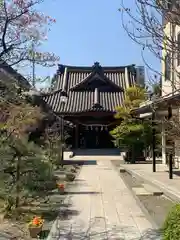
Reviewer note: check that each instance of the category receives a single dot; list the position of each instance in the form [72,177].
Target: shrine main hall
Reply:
[93,94]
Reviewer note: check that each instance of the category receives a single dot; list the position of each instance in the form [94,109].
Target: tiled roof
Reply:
[9,77]
[8,73]
[90,88]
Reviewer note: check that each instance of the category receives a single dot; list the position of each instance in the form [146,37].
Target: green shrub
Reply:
[171,227]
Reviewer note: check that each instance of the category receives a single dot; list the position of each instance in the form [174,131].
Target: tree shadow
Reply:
[80,162]
[79,180]
[82,193]
[99,230]
[67,214]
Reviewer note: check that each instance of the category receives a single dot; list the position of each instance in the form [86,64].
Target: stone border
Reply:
[166,191]
[144,210]
[53,227]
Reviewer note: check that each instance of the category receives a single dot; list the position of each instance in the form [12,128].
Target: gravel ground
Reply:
[48,210]
[157,206]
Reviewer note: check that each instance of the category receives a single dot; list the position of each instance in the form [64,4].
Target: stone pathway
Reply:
[101,207]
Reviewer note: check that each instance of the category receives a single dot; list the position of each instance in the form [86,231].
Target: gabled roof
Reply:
[97,75]
[93,88]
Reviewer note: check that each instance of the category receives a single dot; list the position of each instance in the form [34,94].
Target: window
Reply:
[169,4]
[167,67]
[178,49]
[177,4]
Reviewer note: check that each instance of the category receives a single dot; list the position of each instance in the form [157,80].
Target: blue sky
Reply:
[89,31]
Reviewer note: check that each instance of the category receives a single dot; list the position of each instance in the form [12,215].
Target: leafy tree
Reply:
[133,133]
[25,170]
[170,229]
[53,145]
[22,30]
[20,160]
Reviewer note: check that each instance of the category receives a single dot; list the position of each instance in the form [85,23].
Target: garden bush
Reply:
[171,227]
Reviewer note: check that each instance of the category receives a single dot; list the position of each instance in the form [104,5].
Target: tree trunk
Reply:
[17,181]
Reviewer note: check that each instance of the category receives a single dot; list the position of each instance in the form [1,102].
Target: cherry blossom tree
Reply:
[21,28]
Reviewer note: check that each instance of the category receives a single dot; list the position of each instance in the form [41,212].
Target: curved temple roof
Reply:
[93,88]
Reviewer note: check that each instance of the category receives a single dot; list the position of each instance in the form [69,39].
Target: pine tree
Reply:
[133,133]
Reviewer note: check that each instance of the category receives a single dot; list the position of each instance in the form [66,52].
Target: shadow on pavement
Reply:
[98,230]
[79,193]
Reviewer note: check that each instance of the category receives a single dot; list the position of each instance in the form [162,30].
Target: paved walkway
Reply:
[160,178]
[101,207]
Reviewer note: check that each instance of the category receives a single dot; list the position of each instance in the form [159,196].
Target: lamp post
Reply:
[63,100]
[171,154]
[153,98]
[153,141]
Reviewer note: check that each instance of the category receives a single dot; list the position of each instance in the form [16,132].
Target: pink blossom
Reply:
[25,24]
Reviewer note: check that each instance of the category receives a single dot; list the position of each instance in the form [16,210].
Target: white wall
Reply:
[167,85]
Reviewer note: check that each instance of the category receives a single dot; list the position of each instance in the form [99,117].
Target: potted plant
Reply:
[35,226]
[61,187]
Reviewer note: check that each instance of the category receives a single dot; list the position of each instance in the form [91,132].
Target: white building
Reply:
[170,75]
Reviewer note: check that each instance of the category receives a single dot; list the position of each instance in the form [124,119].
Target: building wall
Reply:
[170,85]
[166,84]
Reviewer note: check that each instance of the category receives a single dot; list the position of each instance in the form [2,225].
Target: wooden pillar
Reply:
[77,136]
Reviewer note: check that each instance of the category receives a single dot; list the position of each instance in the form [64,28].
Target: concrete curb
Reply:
[144,210]
[167,191]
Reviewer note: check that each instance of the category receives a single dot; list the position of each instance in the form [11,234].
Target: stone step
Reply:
[141,191]
[155,191]
[122,170]
[97,152]
[94,157]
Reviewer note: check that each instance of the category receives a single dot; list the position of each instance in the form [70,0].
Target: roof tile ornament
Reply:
[60,69]
[97,68]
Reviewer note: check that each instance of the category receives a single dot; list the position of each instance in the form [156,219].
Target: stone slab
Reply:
[152,189]
[102,208]
[122,170]
[159,179]
[141,191]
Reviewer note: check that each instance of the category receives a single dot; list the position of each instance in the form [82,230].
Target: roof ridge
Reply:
[75,67]
[51,93]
